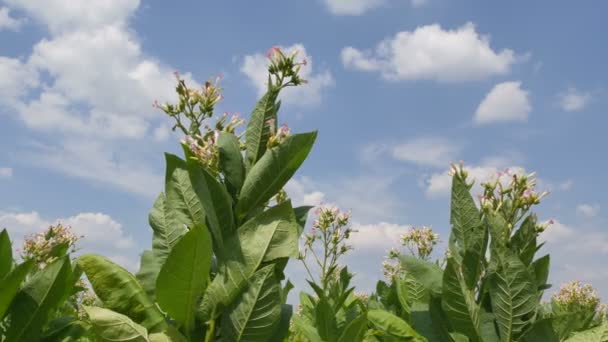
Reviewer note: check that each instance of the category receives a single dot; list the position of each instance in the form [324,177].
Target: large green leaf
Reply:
[542,330]
[268,236]
[119,291]
[10,284]
[231,160]
[325,320]
[183,278]
[513,293]
[216,202]
[541,271]
[149,267]
[355,330]
[167,231]
[169,335]
[112,326]
[254,316]
[282,330]
[6,254]
[523,241]
[597,334]
[426,273]
[258,130]
[391,324]
[272,171]
[37,299]
[183,206]
[458,302]
[304,328]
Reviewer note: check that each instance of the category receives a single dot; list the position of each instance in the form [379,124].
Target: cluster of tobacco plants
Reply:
[224,231]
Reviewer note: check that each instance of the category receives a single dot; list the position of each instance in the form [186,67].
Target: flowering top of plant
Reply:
[420,242]
[284,69]
[45,247]
[277,136]
[574,296]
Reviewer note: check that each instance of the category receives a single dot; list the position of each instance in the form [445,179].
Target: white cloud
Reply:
[574,100]
[102,234]
[303,191]
[352,7]
[505,102]
[432,53]
[427,152]
[587,210]
[381,236]
[419,3]
[6,172]
[17,78]
[556,232]
[566,185]
[7,22]
[255,67]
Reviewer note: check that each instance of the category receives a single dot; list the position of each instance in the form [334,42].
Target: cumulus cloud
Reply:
[380,236]
[574,100]
[434,152]
[255,67]
[7,22]
[6,172]
[17,78]
[507,101]
[587,210]
[432,53]
[101,233]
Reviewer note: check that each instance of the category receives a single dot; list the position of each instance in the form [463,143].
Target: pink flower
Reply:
[304,61]
[273,51]
[176,73]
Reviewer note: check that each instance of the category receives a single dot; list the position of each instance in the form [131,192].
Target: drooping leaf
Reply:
[258,130]
[6,254]
[355,330]
[215,200]
[11,283]
[112,326]
[41,294]
[272,171]
[513,293]
[182,206]
[257,312]
[119,291]
[183,278]
[391,324]
[597,334]
[458,302]
[231,160]
[426,273]
[169,335]
[268,236]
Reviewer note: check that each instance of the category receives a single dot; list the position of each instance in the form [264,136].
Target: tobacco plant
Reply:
[223,230]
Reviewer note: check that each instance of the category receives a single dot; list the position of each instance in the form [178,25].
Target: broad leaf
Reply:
[597,334]
[258,130]
[183,278]
[182,206]
[304,328]
[426,273]
[541,271]
[282,330]
[166,231]
[231,160]
[169,335]
[325,320]
[272,172]
[111,326]
[541,330]
[37,299]
[513,293]
[391,324]
[257,312]
[355,330]
[268,236]
[149,267]
[11,283]
[6,254]
[119,291]
[458,302]
[523,241]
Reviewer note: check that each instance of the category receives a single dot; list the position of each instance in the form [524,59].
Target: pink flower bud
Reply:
[273,51]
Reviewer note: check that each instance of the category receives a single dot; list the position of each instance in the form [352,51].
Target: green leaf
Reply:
[271,235]
[403,296]
[183,278]
[256,313]
[513,293]
[111,326]
[119,291]
[166,230]
[37,299]
[302,327]
[66,329]
[258,131]
[426,273]
[231,160]
[272,172]
[11,283]
[325,319]
[458,302]
[148,272]
[215,200]
[169,335]
[597,334]
[6,254]
[282,330]
[302,215]
[523,241]
[355,330]
[183,206]
[541,271]
[542,330]
[432,328]
[391,324]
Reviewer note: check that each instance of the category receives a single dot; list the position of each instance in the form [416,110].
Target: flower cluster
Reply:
[47,246]
[331,229]
[205,150]
[420,241]
[277,136]
[391,267]
[574,296]
[284,69]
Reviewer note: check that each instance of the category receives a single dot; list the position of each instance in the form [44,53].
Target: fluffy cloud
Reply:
[587,210]
[574,100]
[427,152]
[6,172]
[432,53]
[17,78]
[7,22]
[359,7]
[380,237]
[102,234]
[255,67]
[505,102]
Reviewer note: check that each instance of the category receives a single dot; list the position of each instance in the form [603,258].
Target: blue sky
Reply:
[398,89]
